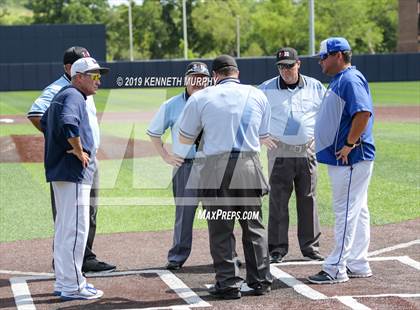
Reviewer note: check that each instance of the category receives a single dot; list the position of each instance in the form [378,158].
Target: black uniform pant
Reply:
[290,170]
[241,182]
[93,209]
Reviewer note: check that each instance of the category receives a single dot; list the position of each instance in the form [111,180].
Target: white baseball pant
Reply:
[71,233]
[352,228]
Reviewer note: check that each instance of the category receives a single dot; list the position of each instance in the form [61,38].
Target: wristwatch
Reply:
[349,144]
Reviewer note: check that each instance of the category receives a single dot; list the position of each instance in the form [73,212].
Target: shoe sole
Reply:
[68,298]
[226,297]
[355,276]
[329,281]
[102,271]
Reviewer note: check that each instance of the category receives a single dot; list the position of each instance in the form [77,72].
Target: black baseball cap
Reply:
[287,55]
[223,61]
[197,67]
[74,53]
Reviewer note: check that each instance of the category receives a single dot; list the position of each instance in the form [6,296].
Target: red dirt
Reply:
[134,251]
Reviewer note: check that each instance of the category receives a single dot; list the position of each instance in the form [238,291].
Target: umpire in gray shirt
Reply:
[233,118]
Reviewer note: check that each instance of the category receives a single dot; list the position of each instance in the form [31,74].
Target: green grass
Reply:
[130,185]
[395,93]
[389,93]
[136,193]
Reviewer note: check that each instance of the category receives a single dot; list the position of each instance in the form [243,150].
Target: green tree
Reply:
[68,11]
[214,23]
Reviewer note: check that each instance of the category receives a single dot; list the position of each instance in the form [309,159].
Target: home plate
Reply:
[6,120]
[244,287]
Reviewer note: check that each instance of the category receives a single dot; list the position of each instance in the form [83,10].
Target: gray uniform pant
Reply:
[254,240]
[289,169]
[93,209]
[186,201]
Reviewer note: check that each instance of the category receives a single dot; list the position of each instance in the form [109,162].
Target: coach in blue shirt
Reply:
[37,110]
[344,142]
[70,165]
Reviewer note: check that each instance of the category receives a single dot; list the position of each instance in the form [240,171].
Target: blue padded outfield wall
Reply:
[47,43]
[376,68]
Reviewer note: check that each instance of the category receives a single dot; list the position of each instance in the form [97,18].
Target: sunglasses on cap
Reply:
[326,55]
[93,76]
[285,66]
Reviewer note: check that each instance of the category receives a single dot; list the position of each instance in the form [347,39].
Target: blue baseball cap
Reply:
[334,44]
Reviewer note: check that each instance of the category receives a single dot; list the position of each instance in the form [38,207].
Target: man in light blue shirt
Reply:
[234,118]
[295,101]
[37,110]
[182,158]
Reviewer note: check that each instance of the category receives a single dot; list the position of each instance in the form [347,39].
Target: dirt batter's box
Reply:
[145,289]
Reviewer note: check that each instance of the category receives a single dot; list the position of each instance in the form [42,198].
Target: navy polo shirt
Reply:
[67,117]
[348,94]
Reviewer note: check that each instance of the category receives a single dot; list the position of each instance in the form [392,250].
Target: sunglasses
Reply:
[286,66]
[326,55]
[93,76]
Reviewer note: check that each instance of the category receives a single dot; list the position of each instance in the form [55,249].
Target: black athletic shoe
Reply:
[231,293]
[93,265]
[276,258]
[314,256]
[173,266]
[261,289]
[324,278]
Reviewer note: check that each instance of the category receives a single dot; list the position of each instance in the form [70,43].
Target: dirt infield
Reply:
[30,148]
[141,281]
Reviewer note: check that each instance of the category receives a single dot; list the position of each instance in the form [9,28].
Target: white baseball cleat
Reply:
[87,293]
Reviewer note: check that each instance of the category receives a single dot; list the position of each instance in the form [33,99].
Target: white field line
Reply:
[410,262]
[29,273]
[351,302]
[24,301]
[22,294]
[394,247]
[385,295]
[183,291]
[297,285]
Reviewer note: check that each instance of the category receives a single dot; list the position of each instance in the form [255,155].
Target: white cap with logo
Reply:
[85,65]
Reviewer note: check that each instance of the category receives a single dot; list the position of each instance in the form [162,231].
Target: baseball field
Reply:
[136,215]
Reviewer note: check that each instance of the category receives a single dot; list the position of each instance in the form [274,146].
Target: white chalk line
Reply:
[24,301]
[394,247]
[349,301]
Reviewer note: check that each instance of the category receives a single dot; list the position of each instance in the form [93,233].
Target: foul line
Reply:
[24,301]
[349,301]
[395,247]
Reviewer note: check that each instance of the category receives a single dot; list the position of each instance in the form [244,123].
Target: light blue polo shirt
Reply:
[348,93]
[234,117]
[168,116]
[43,102]
[293,111]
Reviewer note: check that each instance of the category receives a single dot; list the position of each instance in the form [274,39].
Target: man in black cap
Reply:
[183,159]
[37,110]
[295,100]
[234,119]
